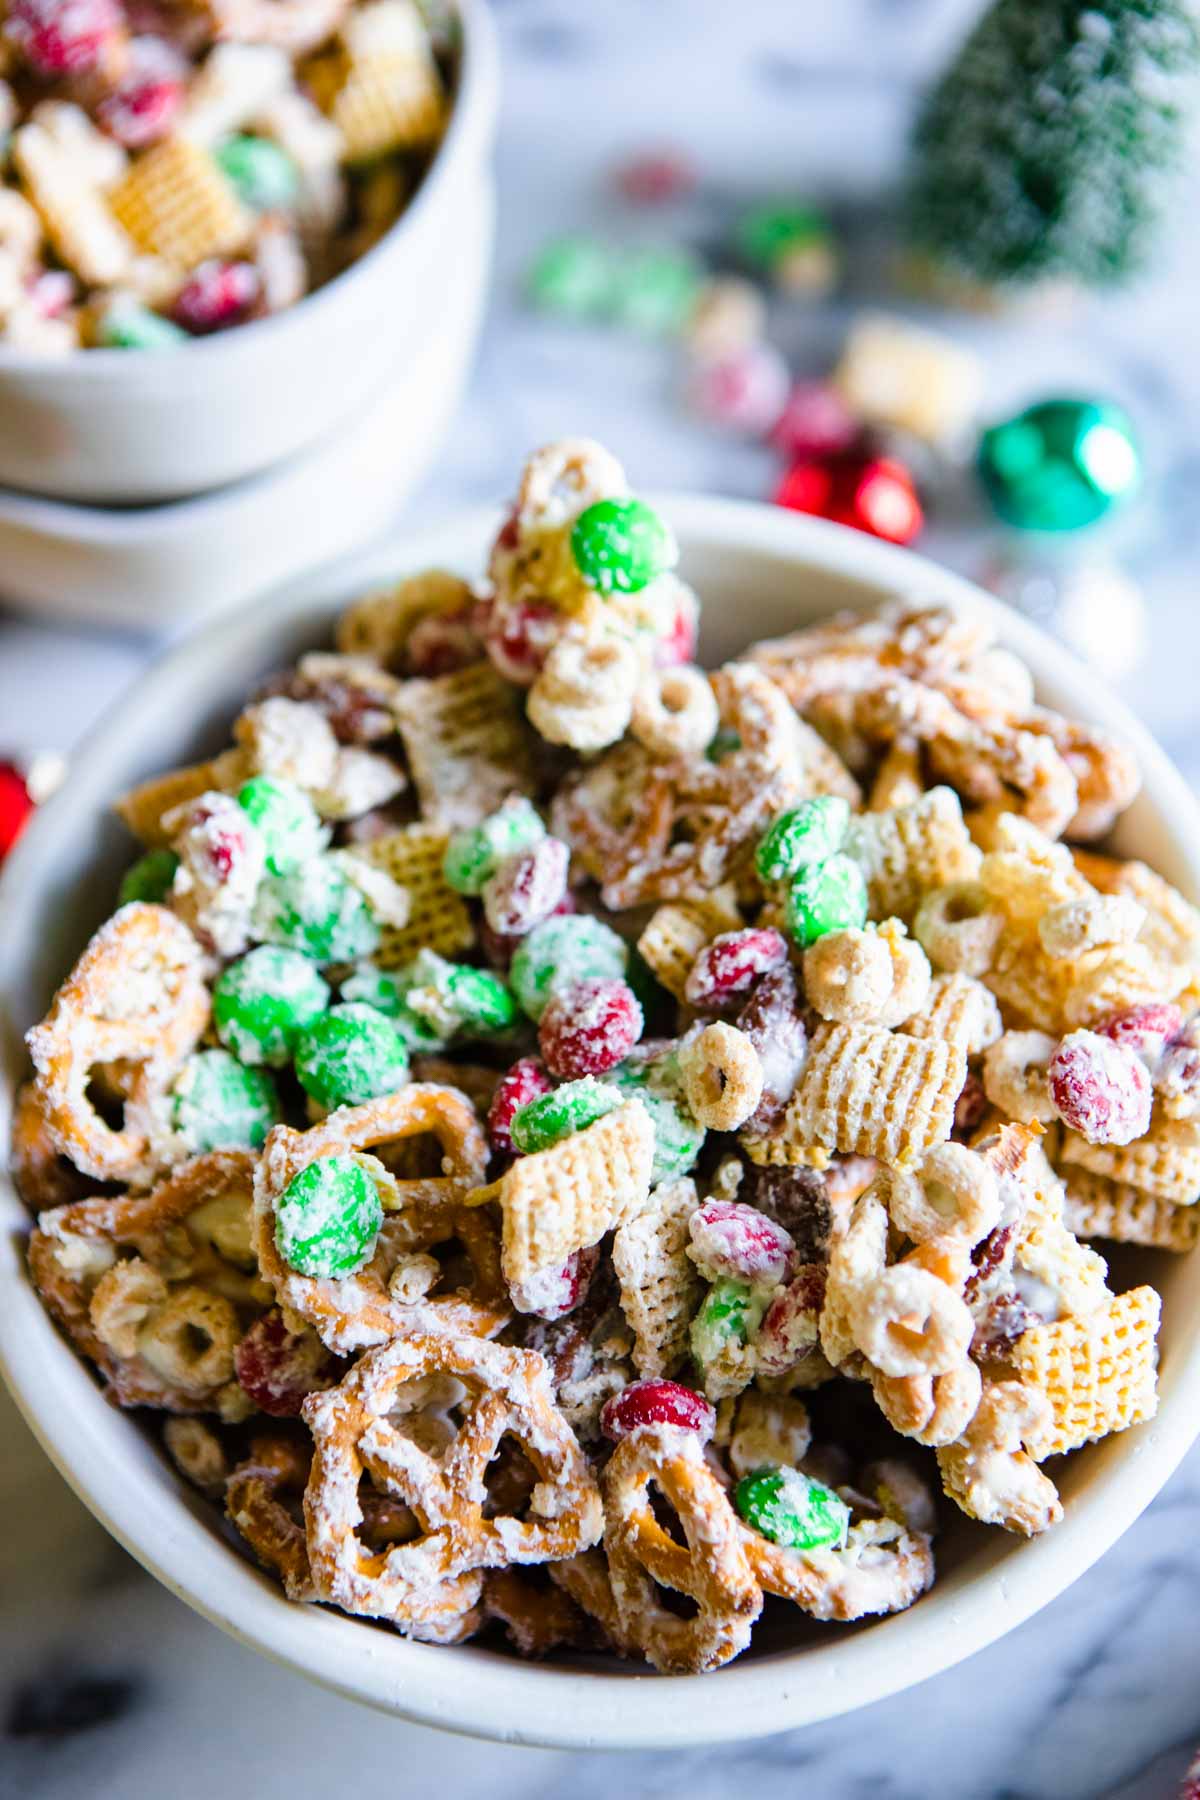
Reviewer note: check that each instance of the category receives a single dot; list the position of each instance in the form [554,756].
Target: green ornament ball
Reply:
[789,1508]
[329,1218]
[766,234]
[574,277]
[1060,465]
[826,896]
[621,546]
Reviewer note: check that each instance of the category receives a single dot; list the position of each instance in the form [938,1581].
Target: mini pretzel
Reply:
[136,995]
[988,1472]
[42,1177]
[430,1582]
[127,1316]
[537,1618]
[712,1569]
[358,1310]
[722,1076]
[932,1409]
[883,1568]
[953,1191]
[674,712]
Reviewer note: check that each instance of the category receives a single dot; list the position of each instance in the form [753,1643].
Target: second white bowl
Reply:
[132,427]
[759,572]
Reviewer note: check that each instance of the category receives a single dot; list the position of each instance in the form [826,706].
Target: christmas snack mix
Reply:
[167,172]
[530,1087]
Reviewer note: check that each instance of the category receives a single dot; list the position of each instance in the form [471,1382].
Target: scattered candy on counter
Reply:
[1093,606]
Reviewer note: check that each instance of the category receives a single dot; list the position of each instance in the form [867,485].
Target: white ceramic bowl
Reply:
[134,427]
[760,571]
[153,567]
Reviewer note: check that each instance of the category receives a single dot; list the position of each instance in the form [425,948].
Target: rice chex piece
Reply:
[959,1011]
[144,807]
[908,850]
[1164,1163]
[678,930]
[467,743]
[867,1092]
[1096,1207]
[175,203]
[660,1284]
[564,1199]
[438,918]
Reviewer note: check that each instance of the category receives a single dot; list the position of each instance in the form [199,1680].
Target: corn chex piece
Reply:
[960,1011]
[1048,1249]
[76,215]
[438,918]
[144,807]
[380,86]
[677,932]
[896,374]
[867,1092]
[467,744]
[1164,1163]
[380,623]
[1097,1373]
[564,1199]
[660,1284]
[1096,1207]
[175,203]
[908,850]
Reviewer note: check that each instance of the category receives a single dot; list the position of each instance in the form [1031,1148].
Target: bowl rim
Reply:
[472,118]
[475,1692]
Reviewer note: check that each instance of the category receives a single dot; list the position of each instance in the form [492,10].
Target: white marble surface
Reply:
[1100,1695]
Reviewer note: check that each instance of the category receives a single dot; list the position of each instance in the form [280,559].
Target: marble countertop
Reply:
[1100,1694]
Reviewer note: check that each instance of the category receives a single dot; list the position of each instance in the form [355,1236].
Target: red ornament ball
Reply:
[16,806]
[872,493]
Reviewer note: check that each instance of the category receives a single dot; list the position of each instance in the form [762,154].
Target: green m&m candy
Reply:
[573,276]
[262,1002]
[149,878]
[563,950]
[655,291]
[455,997]
[317,910]
[388,994]
[803,835]
[1060,465]
[826,896]
[217,1103]
[261,171]
[678,1139]
[730,1313]
[473,856]
[287,820]
[350,1054]
[126,324]
[562,1112]
[328,1218]
[621,546]
[791,1509]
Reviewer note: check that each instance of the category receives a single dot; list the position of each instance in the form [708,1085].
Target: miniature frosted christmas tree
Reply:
[1039,158]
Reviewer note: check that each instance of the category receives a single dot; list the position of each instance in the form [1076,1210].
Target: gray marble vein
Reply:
[1098,1698]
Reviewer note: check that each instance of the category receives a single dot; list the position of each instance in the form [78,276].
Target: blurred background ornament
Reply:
[1093,606]
[1060,465]
[24,785]
[875,494]
[791,245]
[1039,157]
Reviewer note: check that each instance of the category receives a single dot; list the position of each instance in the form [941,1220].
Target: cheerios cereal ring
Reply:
[722,1077]
[957,928]
[674,711]
[135,995]
[583,696]
[711,1568]
[953,1191]
[357,1310]
[908,1322]
[1016,1076]
[435,1578]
